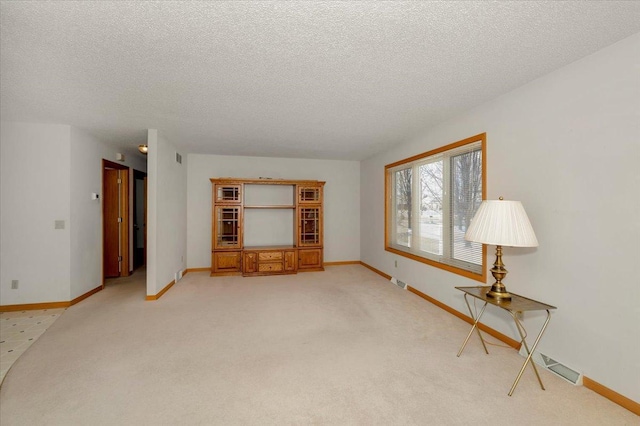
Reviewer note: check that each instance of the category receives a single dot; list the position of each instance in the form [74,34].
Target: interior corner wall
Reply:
[34,194]
[566,145]
[166,213]
[341,199]
[87,153]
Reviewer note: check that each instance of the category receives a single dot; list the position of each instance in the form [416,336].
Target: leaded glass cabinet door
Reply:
[227,230]
[310,226]
[227,193]
[310,194]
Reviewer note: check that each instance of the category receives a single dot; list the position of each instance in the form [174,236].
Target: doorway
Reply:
[115,219]
[139,219]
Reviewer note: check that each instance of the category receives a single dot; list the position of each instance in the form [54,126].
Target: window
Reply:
[431,199]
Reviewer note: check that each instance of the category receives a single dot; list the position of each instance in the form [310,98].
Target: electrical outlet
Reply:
[396,263]
[59,224]
[14,284]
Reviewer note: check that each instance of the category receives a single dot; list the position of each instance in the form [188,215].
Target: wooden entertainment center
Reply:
[266,226]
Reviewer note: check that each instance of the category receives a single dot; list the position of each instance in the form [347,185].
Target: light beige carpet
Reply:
[342,346]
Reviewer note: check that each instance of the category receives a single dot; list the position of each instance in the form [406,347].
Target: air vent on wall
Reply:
[399,283]
[554,366]
[178,158]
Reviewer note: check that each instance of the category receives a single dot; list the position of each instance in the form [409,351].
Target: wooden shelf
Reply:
[278,247]
[269,207]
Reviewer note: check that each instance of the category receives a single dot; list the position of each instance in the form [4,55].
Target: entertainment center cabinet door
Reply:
[309,226]
[290,261]
[310,194]
[227,227]
[310,259]
[227,193]
[226,262]
[250,264]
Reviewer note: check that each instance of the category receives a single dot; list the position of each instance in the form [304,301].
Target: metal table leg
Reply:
[523,335]
[474,327]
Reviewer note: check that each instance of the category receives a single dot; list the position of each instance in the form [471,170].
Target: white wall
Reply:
[567,146]
[48,173]
[341,199]
[34,179]
[166,211]
[87,153]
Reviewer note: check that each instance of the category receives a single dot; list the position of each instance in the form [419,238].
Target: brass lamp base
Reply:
[498,290]
[499,293]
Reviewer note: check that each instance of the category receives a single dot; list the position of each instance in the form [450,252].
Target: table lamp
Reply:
[501,223]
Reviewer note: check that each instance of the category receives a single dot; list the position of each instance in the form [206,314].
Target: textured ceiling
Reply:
[321,79]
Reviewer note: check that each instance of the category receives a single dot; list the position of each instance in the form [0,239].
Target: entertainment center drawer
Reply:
[270,267]
[270,255]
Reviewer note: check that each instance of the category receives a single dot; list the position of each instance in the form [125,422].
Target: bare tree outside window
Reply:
[431,182]
[404,209]
[467,196]
[431,197]
[467,187]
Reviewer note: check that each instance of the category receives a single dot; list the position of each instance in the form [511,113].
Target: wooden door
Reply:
[115,219]
[111,205]
[125,213]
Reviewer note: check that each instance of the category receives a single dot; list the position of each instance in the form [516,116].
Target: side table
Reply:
[514,306]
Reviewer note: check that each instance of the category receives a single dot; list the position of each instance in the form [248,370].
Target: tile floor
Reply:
[18,331]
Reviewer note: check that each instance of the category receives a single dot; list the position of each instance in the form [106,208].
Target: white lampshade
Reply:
[501,223]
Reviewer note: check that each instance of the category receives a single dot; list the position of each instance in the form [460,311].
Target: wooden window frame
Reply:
[482,277]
